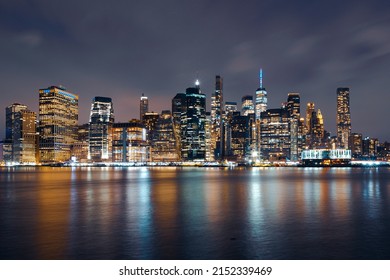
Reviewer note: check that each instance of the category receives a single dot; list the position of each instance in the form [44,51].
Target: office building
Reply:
[129,142]
[343,118]
[247,106]
[178,103]
[293,107]
[240,137]
[261,98]
[150,120]
[356,144]
[21,135]
[275,141]
[58,117]
[370,147]
[80,148]
[216,118]
[143,106]
[164,141]
[100,129]
[193,117]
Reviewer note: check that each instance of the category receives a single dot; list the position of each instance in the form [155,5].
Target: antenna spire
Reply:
[261,77]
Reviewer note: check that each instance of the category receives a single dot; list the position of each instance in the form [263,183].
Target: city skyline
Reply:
[310,48]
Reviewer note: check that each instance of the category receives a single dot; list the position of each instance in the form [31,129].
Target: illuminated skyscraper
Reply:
[193,140]
[21,134]
[261,98]
[343,118]
[247,106]
[143,106]
[275,134]
[178,103]
[294,110]
[100,129]
[164,141]
[216,117]
[309,110]
[58,117]
[240,136]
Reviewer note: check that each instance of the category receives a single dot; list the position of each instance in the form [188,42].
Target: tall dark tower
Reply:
[216,117]
[193,118]
[343,118]
[294,110]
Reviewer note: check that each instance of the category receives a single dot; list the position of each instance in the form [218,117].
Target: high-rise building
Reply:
[370,147]
[275,134]
[356,144]
[178,105]
[247,106]
[21,134]
[193,117]
[129,142]
[58,117]
[164,141]
[100,129]
[261,98]
[343,118]
[150,120]
[310,107]
[230,108]
[210,155]
[216,117]
[80,148]
[143,106]
[294,109]
[240,136]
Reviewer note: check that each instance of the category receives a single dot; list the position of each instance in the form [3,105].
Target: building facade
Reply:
[101,121]
[21,135]
[163,148]
[129,142]
[216,118]
[275,141]
[143,106]
[343,118]
[193,118]
[58,118]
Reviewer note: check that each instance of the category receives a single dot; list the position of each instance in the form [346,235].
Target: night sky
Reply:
[121,49]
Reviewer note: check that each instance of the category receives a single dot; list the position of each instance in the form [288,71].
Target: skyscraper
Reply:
[216,117]
[261,97]
[58,117]
[310,107]
[275,134]
[164,142]
[193,140]
[143,106]
[247,106]
[100,129]
[178,103]
[21,134]
[343,118]
[294,110]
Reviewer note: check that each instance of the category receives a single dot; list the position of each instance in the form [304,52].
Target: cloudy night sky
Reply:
[121,49]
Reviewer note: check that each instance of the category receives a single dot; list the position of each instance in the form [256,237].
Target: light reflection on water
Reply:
[194,213]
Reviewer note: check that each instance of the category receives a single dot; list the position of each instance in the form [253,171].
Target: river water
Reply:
[194,213]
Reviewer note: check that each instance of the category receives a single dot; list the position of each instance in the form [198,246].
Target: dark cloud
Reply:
[124,48]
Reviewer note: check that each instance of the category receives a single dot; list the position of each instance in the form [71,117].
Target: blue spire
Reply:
[261,77]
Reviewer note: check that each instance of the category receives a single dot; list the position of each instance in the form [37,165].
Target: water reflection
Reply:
[194,213]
